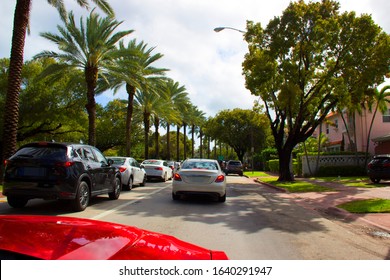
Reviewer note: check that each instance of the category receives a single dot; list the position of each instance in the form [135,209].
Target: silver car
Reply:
[157,169]
[132,172]
[199,176]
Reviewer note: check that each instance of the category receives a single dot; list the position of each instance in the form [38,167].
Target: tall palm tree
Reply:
[151,104]
[381,100]
[21,21]
[132,67]
[89,47]
[197,117]
[178,97]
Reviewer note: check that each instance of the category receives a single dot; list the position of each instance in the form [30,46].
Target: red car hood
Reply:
[56,238]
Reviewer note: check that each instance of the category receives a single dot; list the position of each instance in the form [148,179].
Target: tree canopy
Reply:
[307,61]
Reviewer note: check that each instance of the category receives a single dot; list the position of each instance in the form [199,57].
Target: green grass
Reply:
[296,186]
[251,174]
[356,182]
[376,205]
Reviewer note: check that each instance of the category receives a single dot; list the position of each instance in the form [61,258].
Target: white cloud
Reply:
[208,64]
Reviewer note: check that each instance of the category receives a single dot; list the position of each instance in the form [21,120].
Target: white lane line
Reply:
[106,213]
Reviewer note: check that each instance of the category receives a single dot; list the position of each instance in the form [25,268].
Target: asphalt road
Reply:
[255,222]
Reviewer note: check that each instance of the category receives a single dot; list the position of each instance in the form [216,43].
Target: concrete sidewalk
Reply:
[326,202]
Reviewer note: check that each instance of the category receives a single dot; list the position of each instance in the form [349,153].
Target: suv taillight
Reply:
[65,164]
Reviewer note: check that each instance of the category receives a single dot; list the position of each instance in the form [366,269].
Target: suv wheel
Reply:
[82,197]
[117,189]
[17,202]
[375,180]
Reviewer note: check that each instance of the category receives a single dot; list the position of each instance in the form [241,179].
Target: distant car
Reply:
[234,167]
[62,171]
[174,165]
[131,170]
[379,168]
[199,177]
[157,169]
[67,238]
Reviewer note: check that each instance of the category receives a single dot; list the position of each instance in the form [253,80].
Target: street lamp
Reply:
[218,29]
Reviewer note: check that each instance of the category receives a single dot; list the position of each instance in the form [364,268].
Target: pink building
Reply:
[335,130]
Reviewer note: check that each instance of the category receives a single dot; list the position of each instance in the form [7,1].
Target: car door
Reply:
[137,172]
[106,172]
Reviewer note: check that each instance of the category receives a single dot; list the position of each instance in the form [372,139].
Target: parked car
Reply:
[67,238]
[157,169]
[199,177]
[132,172]
[379,168]
[234,167]
[63,171]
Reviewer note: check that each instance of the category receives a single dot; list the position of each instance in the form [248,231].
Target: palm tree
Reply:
[21,21]
[178,97]
[151,104]
[90,48]
[197,117]
[382,100]
[132,68]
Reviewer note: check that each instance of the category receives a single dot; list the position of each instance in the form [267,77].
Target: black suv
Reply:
[379,168]
[234,167]
[62,171]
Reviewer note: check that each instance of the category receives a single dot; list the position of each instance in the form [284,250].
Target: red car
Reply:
[65,238]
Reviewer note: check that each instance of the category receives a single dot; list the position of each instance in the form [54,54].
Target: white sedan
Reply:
[157,169]
[199,176]
[131,171]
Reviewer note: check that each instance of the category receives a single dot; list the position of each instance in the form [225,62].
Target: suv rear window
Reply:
[53,153]
[234,163]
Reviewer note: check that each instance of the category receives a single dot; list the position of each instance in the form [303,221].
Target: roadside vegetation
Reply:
[359,206]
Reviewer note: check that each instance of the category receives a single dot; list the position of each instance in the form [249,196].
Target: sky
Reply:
[207,63]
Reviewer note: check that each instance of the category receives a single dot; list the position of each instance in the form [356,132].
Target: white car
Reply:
[131,171]
[199,176]
[157,169]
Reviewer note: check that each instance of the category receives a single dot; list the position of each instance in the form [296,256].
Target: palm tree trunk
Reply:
[11,110]
[168,142]
[156,136]
[192,141]
[178,143]
[130,105]
[201,144]
[185,140]
[146,133]
[91,75]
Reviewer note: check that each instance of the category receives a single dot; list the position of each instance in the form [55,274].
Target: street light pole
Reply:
[218,29]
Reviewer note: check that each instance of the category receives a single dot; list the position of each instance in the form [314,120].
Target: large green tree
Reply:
[303,63]
[241,129]
[46,113]
[21,21]
[89,47]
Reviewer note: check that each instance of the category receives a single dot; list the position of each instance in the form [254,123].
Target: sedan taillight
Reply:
[176,177]
[158,168]
[122,169]
[220,179]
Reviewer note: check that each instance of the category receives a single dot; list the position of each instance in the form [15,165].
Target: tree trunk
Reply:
[91,75]
[285,172]
[130,106]
[185,141]
[11,110]
[201,144]
[178,143]
[146,134]
[156,137]
[168,142]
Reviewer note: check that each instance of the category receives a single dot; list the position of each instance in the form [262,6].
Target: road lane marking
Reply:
[108,212]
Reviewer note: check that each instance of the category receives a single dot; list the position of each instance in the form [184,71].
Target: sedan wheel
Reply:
[130,184]
[375,180]
[222,198]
